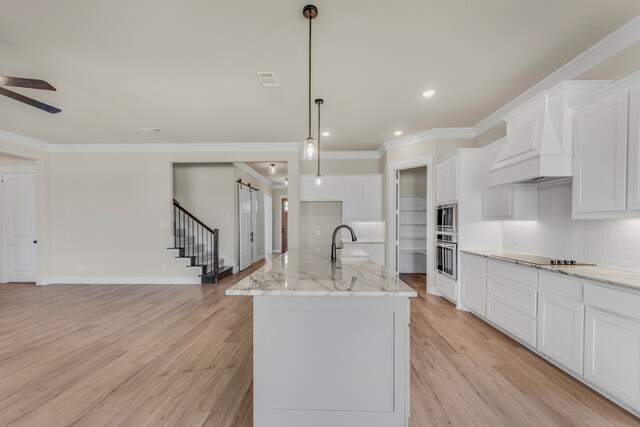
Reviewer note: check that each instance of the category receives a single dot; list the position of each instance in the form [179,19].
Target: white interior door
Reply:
[19,227]
[254,226]
[268,224]
[244,220]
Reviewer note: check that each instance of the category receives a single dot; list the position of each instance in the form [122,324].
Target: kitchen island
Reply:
[331,342]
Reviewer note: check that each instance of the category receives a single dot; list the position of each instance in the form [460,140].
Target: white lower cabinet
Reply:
[447,287]
[561,329]
[474,290]
[612,355]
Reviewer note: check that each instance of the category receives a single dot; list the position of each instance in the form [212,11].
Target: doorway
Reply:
[285,224]
[409,218]
[247,221]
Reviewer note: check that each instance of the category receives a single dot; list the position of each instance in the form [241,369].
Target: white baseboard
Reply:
[119,281]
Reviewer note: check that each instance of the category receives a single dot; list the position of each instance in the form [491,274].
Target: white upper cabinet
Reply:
[517,202]
[361,195]
[331,189]
[447,181]
[606,181]
[633,187]
[362,199]
[599,182]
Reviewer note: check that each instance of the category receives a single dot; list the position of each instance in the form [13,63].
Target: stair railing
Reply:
[205,239]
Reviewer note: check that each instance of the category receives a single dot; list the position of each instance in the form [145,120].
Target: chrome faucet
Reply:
[333,239]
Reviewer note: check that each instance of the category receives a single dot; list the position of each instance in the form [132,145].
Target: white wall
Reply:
[7,160]
[613,243]
[109,210]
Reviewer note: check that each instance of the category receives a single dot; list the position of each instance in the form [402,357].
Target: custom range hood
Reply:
[539,136]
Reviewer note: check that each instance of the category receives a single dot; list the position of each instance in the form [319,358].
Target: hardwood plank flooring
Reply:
[178,355]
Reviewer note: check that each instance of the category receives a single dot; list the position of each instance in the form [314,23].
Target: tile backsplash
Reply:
[614,243]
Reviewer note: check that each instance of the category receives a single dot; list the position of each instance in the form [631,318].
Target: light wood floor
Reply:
[181,356]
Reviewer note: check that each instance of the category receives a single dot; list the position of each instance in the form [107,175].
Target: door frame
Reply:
[282,248]
[3,260]
[268,224]
[391,215]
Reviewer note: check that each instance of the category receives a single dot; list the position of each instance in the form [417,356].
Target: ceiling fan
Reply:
[27,83]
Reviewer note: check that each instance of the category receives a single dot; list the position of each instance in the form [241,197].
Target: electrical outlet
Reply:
[317,232]
[516,239]
[164,268]
[81,267]
[163,224]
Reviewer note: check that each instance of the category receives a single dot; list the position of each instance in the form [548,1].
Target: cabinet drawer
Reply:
[474,261]
[527,276]
[614,300]
[513,322]
[448,288]
[561,285]
[513,294]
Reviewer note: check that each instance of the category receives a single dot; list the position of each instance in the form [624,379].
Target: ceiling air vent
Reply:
[151,130]
[268,79]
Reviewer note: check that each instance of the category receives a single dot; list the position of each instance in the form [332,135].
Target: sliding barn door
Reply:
[245,222]
[19,229]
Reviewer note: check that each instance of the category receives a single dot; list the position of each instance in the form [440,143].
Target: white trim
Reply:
[618,85]
[428,135]
[176,148]
[349,155]
[23,141]
[17,169]
[251,171]
[279,187]
[119,281]
[609,46]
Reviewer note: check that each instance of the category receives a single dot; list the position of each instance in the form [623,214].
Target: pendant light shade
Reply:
[310,144]
[272,169]
[310,149]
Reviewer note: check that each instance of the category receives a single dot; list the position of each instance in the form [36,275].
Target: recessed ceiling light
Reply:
[428,93]
[151,130]
[398,133]
[326,133]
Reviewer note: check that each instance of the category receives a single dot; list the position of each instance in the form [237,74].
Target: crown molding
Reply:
[609,46]
[23,141]
[428,135]
[176,148]
[251,171]
[349,155]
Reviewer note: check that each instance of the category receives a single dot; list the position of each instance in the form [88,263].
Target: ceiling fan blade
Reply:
[27,83]
[29,101]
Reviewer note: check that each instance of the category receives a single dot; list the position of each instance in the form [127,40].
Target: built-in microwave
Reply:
[447,218]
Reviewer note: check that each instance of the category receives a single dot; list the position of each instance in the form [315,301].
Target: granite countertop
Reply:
[613,276]
[298,273]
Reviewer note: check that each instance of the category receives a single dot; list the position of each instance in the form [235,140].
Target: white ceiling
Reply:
[263,169]
[189,66]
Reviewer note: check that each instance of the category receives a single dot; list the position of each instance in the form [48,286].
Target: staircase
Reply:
[195,241]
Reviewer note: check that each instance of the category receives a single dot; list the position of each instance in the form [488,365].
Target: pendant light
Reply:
[272,169]
[286,182]
[319,102]
[310,144]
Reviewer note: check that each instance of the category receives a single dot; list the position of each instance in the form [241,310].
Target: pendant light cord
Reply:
[319,104]
[310,19]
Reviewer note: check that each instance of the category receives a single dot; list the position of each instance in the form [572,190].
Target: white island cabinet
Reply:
[331,342]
